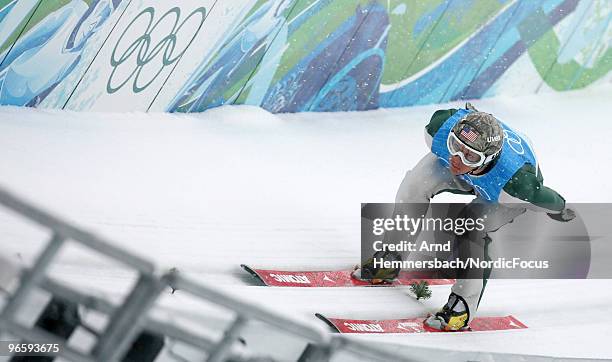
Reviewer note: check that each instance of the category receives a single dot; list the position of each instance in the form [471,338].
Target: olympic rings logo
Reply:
[141,53]
[514,142]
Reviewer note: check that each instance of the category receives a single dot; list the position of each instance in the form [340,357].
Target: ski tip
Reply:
[247,268]
[327,321]
[253,273]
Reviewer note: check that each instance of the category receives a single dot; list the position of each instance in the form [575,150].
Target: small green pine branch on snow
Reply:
[421,290]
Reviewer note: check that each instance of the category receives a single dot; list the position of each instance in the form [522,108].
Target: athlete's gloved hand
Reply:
[470,107]
[380,275]
[564,216]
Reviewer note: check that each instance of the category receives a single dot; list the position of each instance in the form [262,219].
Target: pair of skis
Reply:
[345,278]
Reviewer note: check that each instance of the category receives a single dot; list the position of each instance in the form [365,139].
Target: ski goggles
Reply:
[469,156]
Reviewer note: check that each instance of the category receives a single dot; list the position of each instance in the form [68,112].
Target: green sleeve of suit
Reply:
[528,185]
[438,119]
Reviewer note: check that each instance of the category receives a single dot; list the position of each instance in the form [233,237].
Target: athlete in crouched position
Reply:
[473,153]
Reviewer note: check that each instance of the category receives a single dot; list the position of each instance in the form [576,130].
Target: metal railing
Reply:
[133,316]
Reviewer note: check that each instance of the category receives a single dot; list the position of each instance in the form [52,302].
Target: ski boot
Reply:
[453,316]
[378,276]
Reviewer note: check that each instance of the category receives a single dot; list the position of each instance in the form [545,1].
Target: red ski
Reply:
[416,325]
[338,278]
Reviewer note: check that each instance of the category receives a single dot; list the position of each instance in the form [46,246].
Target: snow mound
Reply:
[251,117]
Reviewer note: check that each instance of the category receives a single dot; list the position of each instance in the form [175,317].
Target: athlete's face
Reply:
[457,167]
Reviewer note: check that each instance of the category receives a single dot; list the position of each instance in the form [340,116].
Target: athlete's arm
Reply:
[437,120]
[527,187]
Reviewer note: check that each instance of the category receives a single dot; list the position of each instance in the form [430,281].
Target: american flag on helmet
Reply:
[469,134]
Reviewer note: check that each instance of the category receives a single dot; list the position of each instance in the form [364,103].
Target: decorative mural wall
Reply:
[295,55]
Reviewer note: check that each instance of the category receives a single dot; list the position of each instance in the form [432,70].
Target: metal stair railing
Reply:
[130,318]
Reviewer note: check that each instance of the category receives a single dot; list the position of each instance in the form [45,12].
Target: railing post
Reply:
[222,349]
[127,320]
[315,353]
[32,278]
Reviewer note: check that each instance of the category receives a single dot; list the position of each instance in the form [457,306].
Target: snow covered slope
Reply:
[206,192]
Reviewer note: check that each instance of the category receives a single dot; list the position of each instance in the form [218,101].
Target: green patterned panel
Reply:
[314,31]
[457,24]
[18,31]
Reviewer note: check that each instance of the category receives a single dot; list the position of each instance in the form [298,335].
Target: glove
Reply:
[470,107]
[380,275]
[564,216]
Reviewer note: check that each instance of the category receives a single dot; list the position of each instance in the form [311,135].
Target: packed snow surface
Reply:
[207,192]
